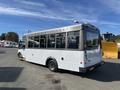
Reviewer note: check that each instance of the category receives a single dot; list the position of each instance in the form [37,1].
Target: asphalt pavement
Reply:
[22,75]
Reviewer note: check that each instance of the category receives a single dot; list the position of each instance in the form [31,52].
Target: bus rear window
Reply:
[92,40]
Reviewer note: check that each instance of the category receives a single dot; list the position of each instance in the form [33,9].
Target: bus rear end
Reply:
[92,48]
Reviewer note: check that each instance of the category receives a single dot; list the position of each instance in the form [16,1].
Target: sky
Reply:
[22,16]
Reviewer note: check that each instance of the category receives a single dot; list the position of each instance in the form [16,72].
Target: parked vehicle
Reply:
[8,44]
[74,48]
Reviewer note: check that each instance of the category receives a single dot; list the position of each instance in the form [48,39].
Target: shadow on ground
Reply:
[107,73]
[10,74]
[6,88]
[2,52]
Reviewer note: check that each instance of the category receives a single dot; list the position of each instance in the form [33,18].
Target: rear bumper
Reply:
[90,68]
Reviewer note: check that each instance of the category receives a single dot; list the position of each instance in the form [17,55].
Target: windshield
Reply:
[92,40]
[21,44]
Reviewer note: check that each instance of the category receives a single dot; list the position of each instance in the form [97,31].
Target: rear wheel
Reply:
[52,65]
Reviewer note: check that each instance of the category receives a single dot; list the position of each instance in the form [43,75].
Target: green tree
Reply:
[2,37]
[12,36]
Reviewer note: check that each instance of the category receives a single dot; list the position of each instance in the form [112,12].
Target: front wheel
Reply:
[52,65]
[20,56]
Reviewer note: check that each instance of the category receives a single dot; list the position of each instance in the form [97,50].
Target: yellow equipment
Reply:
[110,50]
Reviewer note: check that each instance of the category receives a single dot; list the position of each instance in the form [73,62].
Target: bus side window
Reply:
[73,40]
[30,42]
[60,40]
[51,41]
[36,42]
[43,41]
[21,44]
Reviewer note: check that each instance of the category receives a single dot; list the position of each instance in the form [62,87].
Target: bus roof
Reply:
[57,30]
[61,29]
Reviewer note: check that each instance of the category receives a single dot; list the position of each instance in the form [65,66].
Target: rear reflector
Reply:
[83,62]
[80,62]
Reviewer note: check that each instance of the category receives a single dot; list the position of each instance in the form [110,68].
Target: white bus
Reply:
[75,48]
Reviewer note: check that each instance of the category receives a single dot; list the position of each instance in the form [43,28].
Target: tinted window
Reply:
[92,40]
[51,41]
[43,41]
[21,44]
[36,42]
[73,40]
[30,42]
[60,40]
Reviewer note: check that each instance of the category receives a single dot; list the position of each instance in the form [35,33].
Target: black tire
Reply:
[20,56]
[52,65]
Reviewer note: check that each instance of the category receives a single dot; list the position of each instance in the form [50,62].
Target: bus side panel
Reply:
[66,59]
[71,60]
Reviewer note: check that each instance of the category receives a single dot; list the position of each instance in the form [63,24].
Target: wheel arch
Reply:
[18,53]
[50,58]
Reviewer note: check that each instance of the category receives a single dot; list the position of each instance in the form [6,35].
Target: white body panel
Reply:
[93,57]
[71,60]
